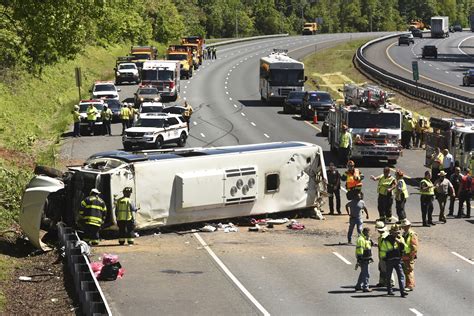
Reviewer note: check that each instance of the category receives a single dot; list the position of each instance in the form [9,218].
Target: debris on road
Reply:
[208,229]
[109,269]
[257,228]
[295,225]
[227,228]
[279,221]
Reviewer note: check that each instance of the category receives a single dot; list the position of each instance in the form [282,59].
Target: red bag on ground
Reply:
[97,267]
[109,259]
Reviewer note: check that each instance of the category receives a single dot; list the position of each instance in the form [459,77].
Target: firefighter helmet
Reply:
[127,190]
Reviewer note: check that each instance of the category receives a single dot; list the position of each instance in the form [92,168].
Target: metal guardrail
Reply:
[440,98]
[86,286]
[245,39]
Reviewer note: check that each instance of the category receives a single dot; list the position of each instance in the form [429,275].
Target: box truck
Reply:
[440,26]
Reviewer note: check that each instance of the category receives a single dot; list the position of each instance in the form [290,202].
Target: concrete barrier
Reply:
[245,39]
[442,99]
[86,286]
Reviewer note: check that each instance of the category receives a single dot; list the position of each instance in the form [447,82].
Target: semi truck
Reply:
[440,26]
[178,186]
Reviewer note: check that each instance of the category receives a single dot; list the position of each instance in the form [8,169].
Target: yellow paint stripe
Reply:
[426,78]
[312,125]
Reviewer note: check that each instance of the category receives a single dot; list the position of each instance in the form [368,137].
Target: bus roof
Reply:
[279,60]
[131,157]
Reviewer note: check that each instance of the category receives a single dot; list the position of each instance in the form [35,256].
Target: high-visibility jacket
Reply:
[390,251]
[363,248]
[351,182]
[76,116]
[403,190]
[408,125]
[123,209]
[91,113]
[384,184]
[429,184]
[93,211]
[345,140]
[106,115]
[411,244]
[125,113]
[438,159]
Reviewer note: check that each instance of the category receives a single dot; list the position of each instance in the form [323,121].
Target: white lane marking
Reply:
[253,123]
[184,92]
[226,78]
[225,83]
[235,105]
[344,189]
[461,257]
[243,114]
[189,81]
[446,72]
[185,87]
[230,70]
[202,135]
[231,276]
[266,135]
[460,43]
[430,65]
[233,67]
[341,257]
[230,99]
[458,76]
[195,123]
[225,87]
[227,92]
[414,311]
[437,68]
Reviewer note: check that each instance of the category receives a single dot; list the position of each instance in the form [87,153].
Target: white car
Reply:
[104,90]
[83,105]
[152,130]
[150,107]
[126,72]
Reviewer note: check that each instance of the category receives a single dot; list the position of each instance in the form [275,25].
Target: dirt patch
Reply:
[49,292]
[18,158]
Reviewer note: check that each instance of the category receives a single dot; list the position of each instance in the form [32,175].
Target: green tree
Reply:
[167,23]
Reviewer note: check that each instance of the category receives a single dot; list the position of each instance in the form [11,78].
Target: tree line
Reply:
[35,33]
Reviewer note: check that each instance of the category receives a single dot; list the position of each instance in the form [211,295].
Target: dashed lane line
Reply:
[341,257]
[195,123]
[463,258]
[414,311]
[230,99]
[235,105]
[242,113]
[203,136]
[253,124]
[266,135]
[231,276]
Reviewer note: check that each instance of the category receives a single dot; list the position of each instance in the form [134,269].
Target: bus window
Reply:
[272,183]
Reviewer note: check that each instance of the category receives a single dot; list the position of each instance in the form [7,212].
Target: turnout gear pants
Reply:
[409,270]
[126,232]
[91,234]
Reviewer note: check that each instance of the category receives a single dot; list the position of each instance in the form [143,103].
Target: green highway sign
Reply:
[414,67]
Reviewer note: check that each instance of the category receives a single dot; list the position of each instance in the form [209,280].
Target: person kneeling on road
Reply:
[124,209]
[364,257]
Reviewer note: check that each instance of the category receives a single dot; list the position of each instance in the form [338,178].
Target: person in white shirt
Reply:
[448,163]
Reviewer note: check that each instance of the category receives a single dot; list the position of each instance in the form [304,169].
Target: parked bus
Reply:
[279,75]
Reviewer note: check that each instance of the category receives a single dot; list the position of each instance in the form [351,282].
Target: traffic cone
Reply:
[315,118]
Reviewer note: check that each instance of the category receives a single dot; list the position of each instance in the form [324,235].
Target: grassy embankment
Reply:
[333,67]
[34,112]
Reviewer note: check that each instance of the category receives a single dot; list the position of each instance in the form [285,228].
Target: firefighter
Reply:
[384,189]
[426,199]
[364,257]
[91,117]
[391,251]
[353,178]
[77,121]
[124,209]
[188,111]
[91,216]
[410,254]
[401,195]
[345,145]
[124,117]
[106,116]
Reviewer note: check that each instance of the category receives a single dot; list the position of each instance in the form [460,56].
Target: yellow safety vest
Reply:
[125,113]
[404,190]
[188,111]
[91,113]
[106,115]
[363,247]
[77,116]
[345,139]
[429,184]
[386,247]
[123,209]
[384,184]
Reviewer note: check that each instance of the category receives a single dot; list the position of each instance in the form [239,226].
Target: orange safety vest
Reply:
[351,182]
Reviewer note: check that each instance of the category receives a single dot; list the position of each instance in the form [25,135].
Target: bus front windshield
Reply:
[287,77]
[374,120]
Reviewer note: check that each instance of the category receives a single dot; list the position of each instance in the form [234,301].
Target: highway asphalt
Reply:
[455,56]
[279,272]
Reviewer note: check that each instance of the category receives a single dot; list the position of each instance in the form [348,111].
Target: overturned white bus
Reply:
[183,185]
